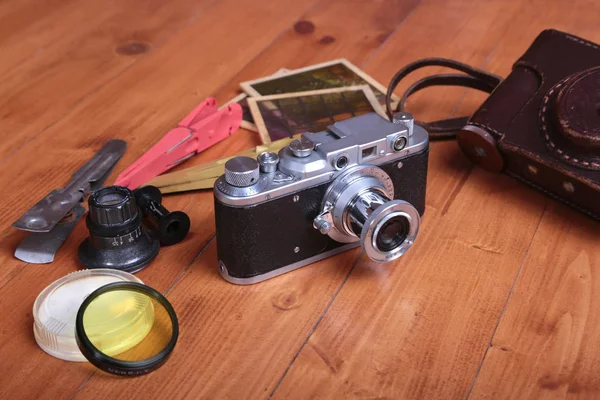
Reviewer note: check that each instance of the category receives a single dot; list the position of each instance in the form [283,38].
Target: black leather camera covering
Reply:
[258,239]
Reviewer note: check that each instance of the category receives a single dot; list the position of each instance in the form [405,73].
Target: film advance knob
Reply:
[241,171]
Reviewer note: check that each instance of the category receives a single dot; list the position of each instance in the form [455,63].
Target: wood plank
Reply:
[95,44]
[239,365]
[28,27]
[77,65]
[558,14]
[140,106]
[17,16]
[22,280]
[547,343]
[144,99]
[419,328]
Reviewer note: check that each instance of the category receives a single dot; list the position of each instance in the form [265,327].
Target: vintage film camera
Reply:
[360,182]
[541,125]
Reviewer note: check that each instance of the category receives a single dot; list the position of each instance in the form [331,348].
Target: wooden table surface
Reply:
[498,298]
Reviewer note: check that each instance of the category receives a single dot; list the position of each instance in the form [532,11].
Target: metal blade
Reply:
[97,184]
[51,209]
[40,247]
[102,161]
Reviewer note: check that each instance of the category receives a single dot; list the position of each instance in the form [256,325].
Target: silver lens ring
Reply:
[378,219]
[340,194]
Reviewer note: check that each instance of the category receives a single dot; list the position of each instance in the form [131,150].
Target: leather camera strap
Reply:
[473,78]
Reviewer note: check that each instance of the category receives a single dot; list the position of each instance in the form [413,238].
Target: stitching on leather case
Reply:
[585,42]
[541,189]
[542,114]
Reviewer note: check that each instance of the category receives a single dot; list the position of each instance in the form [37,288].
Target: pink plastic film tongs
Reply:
[204,127]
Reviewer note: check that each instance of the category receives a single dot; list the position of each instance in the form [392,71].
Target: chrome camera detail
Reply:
[358,206]
[325,193]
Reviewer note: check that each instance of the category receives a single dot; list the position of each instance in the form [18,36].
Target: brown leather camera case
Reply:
[541,125]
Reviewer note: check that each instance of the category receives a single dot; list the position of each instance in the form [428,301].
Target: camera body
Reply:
[361,181]
[541,125]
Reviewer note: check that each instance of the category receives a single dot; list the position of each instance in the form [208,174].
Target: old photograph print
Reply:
[332,74]
[282,116]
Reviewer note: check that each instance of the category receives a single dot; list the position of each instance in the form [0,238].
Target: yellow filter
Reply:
[127,325]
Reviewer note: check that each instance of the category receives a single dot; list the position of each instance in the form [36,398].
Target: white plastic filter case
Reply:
[55,309]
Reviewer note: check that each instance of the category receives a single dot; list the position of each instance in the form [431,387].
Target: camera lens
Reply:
[117,239]
[110,198]
[360,207]
[392,233]
[387,228]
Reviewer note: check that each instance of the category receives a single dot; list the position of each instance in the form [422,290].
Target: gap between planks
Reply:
[512,287]
[359,256]
[314,328]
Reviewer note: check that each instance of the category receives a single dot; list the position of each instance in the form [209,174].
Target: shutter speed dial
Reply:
[242,171]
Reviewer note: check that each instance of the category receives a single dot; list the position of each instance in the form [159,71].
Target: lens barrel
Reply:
[390,230]
[112,212]
[359,206]
[363,205]
[388,233]
[117,239]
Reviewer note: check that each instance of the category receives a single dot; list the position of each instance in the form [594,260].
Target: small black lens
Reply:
[392,233]
[117,238]
[110,199]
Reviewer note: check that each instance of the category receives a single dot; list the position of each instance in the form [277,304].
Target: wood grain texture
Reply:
[97,42]
[236,342]
[549,348]
[497,298]
[419,328]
